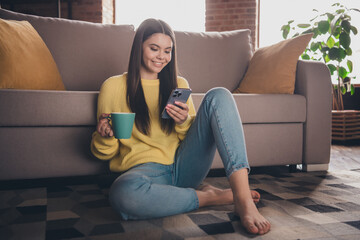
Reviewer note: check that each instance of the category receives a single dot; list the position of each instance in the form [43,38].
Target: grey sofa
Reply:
[47,133]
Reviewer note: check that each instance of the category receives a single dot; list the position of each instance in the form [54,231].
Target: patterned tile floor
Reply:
[316,205]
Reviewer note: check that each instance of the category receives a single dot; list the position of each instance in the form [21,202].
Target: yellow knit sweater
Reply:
[157,147]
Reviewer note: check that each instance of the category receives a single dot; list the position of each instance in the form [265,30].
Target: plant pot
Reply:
[345,125]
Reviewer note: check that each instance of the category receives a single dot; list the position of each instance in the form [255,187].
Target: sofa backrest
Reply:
[88,53]
[213,59]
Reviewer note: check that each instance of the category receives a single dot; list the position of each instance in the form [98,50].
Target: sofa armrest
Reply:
[313,81]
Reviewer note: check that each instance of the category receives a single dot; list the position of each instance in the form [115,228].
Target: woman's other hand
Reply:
[179,112]
[103,126]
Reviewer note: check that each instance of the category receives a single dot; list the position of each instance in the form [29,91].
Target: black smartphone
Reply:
[179,95]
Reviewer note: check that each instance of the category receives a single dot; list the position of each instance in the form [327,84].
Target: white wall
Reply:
[275,13]
[184,15]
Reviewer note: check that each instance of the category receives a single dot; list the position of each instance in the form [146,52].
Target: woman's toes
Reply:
[255,196]
[250,227]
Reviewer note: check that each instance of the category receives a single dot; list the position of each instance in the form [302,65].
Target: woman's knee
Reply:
[218,95]
[127,193]
[218,92]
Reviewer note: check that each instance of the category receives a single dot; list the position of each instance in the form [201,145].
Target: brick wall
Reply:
[221,15]
[226,15]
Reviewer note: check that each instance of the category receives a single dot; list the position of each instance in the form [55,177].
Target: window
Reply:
[275,13]
[184,15]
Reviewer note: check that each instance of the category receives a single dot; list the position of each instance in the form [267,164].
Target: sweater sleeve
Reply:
[105,148]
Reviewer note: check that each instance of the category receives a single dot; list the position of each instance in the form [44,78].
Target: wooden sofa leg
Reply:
[315,167]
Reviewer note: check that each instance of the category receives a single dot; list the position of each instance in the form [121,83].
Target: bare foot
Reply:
[226,195]
[218,196]
[251,219]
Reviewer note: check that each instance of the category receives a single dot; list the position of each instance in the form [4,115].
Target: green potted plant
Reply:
[331,43]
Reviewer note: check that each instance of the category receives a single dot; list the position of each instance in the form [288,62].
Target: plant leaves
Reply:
[339,11]
[348,51]
[330,16]
[345,40]
[314,46]
[327,58]
[285,29]
[330,42]
[324,49]
[305,57]
[337,31]
[342,54]
[343,90]
[311,30]
[352,89]
[350,65]
[342,72]
[346,25]
[332,68]
[334,53]
[334,22]
[354,30]
[304,25]
[323,26]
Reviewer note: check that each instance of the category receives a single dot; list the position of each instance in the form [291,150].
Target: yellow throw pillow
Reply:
[272,69]
[25,60]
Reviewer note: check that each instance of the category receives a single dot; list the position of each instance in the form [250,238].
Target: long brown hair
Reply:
[167,77]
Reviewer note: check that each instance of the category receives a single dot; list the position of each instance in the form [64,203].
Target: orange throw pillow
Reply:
[25,60]
[272,69]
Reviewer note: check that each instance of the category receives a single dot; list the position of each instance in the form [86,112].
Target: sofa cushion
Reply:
[86,53]
[272,69]
[267,108]
[25,61]
[47,108]
[78,108]
[213,59]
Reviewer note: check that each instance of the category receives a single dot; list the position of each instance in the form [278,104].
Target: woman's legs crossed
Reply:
[147,191]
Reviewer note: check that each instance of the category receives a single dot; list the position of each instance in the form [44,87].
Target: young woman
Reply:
[164,162]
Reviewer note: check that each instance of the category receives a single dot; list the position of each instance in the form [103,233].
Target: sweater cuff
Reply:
[105,141]
[185,124]
[104,148]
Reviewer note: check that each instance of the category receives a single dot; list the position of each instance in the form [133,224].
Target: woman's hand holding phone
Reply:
[176,107]
[179,112]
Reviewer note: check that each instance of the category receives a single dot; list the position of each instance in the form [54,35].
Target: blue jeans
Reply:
[154,190]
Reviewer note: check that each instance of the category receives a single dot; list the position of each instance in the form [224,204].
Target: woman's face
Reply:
[156,55]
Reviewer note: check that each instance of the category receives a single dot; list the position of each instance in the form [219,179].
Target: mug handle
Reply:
[109,118]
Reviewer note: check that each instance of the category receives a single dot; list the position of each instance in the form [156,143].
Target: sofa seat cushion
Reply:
[47,108]
[267,108]
[78,108]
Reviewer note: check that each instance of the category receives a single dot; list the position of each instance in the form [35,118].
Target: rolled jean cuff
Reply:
[229,172]
[196,200]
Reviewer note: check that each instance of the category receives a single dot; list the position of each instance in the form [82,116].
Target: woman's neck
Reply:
[148,75]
